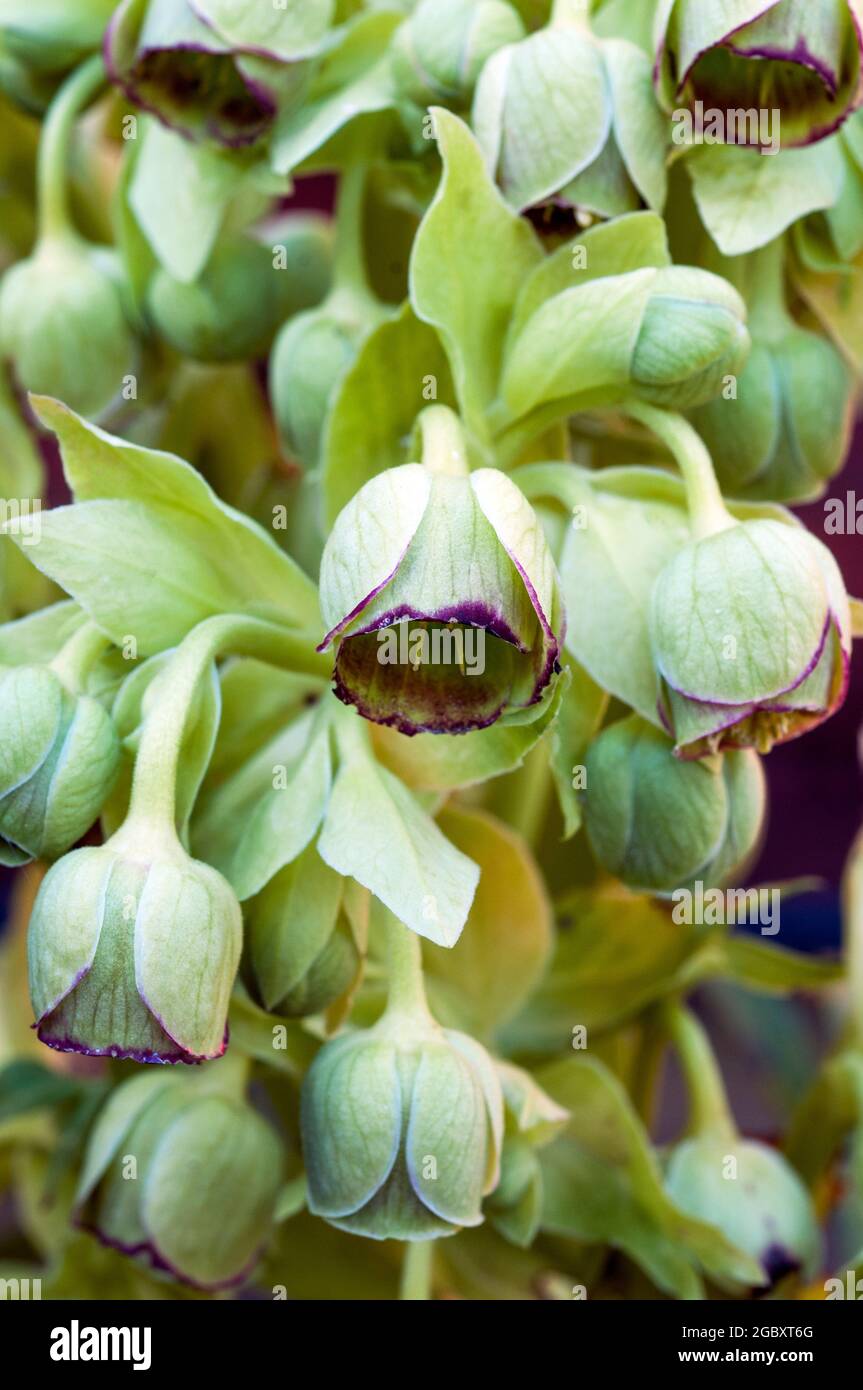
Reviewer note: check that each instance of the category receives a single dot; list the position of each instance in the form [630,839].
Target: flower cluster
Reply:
[418,604]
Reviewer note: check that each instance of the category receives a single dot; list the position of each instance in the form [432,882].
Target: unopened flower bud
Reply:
[439,51]
[693,335]
[657,822]
[63,327]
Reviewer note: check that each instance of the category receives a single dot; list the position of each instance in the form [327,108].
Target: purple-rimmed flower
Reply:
[132,951]
[791,57]
[751,634]
[182,1176]
[210,68]
[442,600]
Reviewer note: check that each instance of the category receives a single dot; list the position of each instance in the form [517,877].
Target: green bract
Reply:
[133,948]
[182,1177]
[441,596]
[755,1198]
[791,58]
[58,761]
[62,325]
[725,683]
[659,823]
[401,1131]
[439,51]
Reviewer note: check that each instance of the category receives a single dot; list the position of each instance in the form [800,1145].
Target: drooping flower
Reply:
[132,950]
[793,57]
[401,1131]
[207,1169]
[441,597]
[751,633]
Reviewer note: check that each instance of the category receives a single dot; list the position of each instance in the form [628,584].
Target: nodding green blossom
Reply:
[182,1174]
[440,594]
[795,61]
[715,611]
[133,948]
[598,147]
[401,1131]
[41,43]
[211,68]
[657,822]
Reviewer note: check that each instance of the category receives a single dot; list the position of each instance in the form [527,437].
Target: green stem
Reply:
[444,448]
[417,1271]
[349,266]
[154,783]
[406,997]
[53,167]
[707,511]
[527,797]
[77,657]
[709,1111]
[571,12]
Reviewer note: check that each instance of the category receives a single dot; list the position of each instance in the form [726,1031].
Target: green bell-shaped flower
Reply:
[659,823]
[599,146]
[751,631]
[59,755]
[755,1198]
[791,57]
[133,949]
[401,1131]
[63,326]
[439,52]
[440,593]
[182,1174]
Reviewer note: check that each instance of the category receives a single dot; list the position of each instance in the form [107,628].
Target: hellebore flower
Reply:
[797,61]
[751,630]
[752,1194]
[213,69]
[442,600]
[693,334]
[63,326]
[58,759]
[658,823]
[598,146]
[303,951]
[439,52]
[401,1131]
[199,1202]
[133,948]
[786,433]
